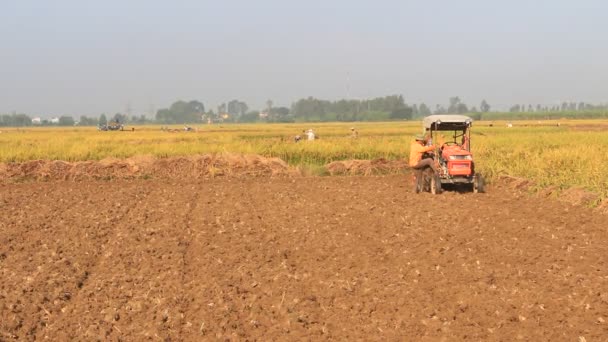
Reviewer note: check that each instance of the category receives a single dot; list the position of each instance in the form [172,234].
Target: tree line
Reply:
[311,109]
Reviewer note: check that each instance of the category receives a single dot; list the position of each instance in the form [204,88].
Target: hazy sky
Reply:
[80,57]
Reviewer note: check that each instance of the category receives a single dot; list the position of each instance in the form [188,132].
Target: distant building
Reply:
[36,121]
[263,115]
[225,116]
[55,120]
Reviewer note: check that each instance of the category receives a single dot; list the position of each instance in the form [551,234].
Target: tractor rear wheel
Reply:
[435,185]
[478,184]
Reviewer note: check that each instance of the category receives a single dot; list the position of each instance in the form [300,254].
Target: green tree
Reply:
[103,120]
[485,107]
[86,121]
[424,110]
[439,109]
[120,118]
[457,106]
[66,121]
[237,108]
[16,120]
[402,113]
[252,116]
[181,112]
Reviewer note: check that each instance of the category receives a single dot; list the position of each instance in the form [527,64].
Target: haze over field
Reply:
[84,58]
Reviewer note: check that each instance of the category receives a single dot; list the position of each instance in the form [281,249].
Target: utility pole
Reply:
[347,85]
[128,110]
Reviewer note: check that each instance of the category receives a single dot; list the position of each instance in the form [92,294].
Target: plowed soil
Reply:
[296,258]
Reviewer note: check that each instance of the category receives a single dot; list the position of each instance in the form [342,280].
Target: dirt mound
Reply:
[366,167]
[603,206]
[208,165]
[517,183]
[576,196]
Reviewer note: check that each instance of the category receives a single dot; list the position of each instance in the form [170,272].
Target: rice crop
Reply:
[571,153]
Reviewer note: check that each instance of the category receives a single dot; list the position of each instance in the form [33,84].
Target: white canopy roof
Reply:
[446,121]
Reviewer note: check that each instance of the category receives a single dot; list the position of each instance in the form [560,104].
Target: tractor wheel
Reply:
[435,185]
[426,179]
[478,184]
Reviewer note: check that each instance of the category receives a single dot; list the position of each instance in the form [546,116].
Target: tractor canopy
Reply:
[446,122]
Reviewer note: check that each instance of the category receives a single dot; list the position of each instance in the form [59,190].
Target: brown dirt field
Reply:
[307,258]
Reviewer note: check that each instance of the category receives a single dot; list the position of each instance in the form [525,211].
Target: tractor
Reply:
[452,155]
[113,125]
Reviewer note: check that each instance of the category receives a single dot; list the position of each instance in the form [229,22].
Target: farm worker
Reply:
[416,150]
[353,133]
[310,134]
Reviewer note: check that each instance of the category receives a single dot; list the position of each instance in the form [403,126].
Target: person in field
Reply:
[417,149]
[310,134]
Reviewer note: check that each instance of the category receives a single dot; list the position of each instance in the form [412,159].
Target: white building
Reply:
[36,121]
[55,120]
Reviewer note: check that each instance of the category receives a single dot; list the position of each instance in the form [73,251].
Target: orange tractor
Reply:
[452,155]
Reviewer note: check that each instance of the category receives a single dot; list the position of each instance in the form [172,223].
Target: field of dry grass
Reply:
[571,154]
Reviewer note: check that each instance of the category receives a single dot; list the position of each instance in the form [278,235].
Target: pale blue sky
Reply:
[80,57]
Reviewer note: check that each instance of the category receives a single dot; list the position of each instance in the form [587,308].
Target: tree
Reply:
[140,120]
[462,108]
[485,107]
[457,106]
[120,118]
[310,109]
[66,121]
[424,110]
[86,121]
[402,113]
[252,116]
[103,120]
[181,112]
[453,107]
[279,114]
[439,109]
[581,106]
[237,108]
[15,120]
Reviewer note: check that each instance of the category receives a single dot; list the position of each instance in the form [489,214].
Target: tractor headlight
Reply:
[460,157]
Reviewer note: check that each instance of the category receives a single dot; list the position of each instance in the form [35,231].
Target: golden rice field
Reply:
[575,153]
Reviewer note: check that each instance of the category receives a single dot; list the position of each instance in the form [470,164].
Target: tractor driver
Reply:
[416,150]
